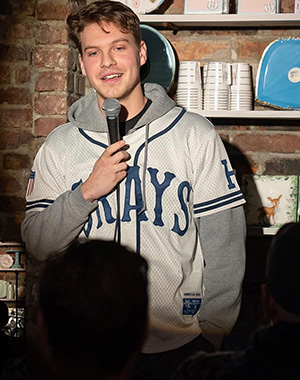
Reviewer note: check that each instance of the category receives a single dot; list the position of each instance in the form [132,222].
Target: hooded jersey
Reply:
[178,171]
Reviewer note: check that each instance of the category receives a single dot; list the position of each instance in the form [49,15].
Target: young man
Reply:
[92,319]
[178,200]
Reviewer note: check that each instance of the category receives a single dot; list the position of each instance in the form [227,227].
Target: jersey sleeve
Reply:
[55,215]
[214,184]
[45,181]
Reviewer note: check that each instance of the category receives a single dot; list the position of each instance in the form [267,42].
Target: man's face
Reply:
[111,61]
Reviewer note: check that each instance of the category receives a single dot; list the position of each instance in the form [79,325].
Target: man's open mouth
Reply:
[112,76]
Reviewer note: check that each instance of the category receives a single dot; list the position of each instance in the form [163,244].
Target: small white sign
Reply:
[203,6]
[258,6]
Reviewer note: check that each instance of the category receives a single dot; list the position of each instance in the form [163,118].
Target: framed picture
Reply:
[271,201]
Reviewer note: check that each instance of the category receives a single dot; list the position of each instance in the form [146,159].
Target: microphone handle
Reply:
[113,129]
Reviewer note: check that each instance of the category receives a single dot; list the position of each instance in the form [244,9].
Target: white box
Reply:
[203,6]
[258,6]
[297,6]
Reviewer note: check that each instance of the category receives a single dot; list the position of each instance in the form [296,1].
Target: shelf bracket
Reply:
[170,25]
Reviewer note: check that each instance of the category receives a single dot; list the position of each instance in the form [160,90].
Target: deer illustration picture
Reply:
[269,212]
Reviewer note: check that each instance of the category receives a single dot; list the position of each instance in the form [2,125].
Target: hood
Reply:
[85,112]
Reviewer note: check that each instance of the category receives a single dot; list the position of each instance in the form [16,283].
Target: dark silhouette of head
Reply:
[93,302]
[282,275]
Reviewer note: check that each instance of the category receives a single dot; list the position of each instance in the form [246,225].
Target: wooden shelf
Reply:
[262,231]
[12,270]
[12,299]
[221,20]
[276,114]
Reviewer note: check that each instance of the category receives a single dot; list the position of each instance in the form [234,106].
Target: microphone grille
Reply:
[111,107]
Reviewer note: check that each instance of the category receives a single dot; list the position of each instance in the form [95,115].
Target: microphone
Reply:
[112,107]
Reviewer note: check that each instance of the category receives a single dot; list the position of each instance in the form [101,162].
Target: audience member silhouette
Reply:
[275,351]
[93,313]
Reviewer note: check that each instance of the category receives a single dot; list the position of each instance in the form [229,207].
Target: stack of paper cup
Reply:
[189,88]
[217,78]
[241,89]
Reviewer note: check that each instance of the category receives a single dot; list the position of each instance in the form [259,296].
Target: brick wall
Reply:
[39,79]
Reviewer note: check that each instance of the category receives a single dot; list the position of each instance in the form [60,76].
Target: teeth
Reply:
[112,76]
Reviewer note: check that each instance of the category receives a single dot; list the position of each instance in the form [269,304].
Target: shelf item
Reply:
[219,21]
[16,252]
[142,6]
[258,7]
[271,200]
[12,286]
[204,6]
[160,66]
[262,231]
[278,76]
[6,261]
[15,326]
[3,288]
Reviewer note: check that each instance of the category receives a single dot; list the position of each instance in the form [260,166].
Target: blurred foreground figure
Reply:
[275,352]
[93,312]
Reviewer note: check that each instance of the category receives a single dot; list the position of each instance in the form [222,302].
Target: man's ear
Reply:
[81,65]
[143,53]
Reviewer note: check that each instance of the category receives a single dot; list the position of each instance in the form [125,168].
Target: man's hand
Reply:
[108,171]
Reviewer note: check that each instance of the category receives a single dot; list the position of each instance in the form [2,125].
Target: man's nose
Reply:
[107,60]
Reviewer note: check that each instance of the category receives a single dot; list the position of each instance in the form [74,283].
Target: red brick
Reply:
[51,58]
[198,50]
[282,167]
[15,118]
[48,34]
[9,184]
[15,53]
[23,75]
[51,105]
[15,95]
[281,143]
[15,161]
[287,6]
[5,74]
[13,140]
[25,7]
[50,11]
[249,49]
[43,126]
[51,81]
[22,30]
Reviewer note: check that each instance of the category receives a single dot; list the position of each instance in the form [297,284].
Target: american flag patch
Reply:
[30,186]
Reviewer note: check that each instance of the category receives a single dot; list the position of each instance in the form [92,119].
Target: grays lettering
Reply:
[133,177]
[159,188]
[176,228]
[133,181]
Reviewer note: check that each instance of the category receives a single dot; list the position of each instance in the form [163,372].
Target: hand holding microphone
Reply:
[111,167]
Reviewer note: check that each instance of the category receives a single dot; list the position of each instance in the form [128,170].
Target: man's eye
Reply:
[92,54]
[119,48]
